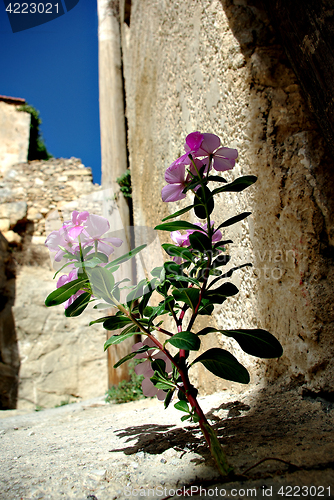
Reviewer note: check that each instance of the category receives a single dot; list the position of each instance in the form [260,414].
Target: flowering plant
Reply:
[191,282]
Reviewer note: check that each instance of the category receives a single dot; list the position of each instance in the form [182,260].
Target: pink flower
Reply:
[177,179]
[222,158]
[89,227]
[181,240]
[57,239]
[146,370]
[74,226]
[175,174]
[95,227]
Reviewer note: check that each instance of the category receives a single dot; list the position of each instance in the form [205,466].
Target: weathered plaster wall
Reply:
[61,358]
[216,66]
[14,135]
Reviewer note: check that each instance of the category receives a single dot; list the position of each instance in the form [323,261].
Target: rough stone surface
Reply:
[62,359]
[9,356]
[91,450]
[216,66]
[14,135]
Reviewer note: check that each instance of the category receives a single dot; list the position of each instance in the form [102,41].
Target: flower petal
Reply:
[210,143]
[172,192]
[175,173]
[96,225]
[75,232]
[161,395]
[149,389]
[222,164]
[194,140]
[117,242]
[144,369]
[231,154]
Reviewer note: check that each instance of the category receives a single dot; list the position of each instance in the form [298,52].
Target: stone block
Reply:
[12,237]
[14,211]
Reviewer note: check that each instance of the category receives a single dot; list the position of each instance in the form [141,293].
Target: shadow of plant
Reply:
[155,439]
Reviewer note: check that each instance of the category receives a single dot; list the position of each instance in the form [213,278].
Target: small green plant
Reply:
[64,403]
[37,147]
[126,391]
[39,408]
[124,182]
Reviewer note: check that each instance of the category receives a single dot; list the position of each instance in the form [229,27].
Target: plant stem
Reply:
[208,432]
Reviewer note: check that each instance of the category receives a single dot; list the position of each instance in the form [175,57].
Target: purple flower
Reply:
[146,370]
[95,227]
[222,158]
[58,239]
[89,227]
[177,179]
[175,174]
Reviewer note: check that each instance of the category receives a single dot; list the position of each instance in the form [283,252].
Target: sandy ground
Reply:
[93,450]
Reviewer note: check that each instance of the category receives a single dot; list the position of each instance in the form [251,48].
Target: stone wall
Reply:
[14,133]
[217,66]
[62,358]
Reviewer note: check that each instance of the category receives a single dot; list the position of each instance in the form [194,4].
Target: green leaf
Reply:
[177,214]
[64,292]
[182,406]
[102,282]
[224,365]
[221,244]
[189,296]
[216,178]
[161,383]
[78,306]
[100,320]
[218,295]
[102,306]
[115,322]
[111,268]
[207,330]
[86,250]
[202,199]
[185,340]
[176,226]
[62,267]
[256,342]
[221,260]
[99,255]
[144,301]
[234,220]
[206,308]
[185,417]
[181,395]
[228,274]
[125,257]
[186,279]
[174,250]
[237,185]
[200,241]
[117,339]
[168,398]
[132,355]
[156,271]
[159,365]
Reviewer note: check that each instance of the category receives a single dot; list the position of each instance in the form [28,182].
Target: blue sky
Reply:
[54,67]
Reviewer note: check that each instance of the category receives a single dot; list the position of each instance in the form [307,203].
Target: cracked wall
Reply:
[217,66]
